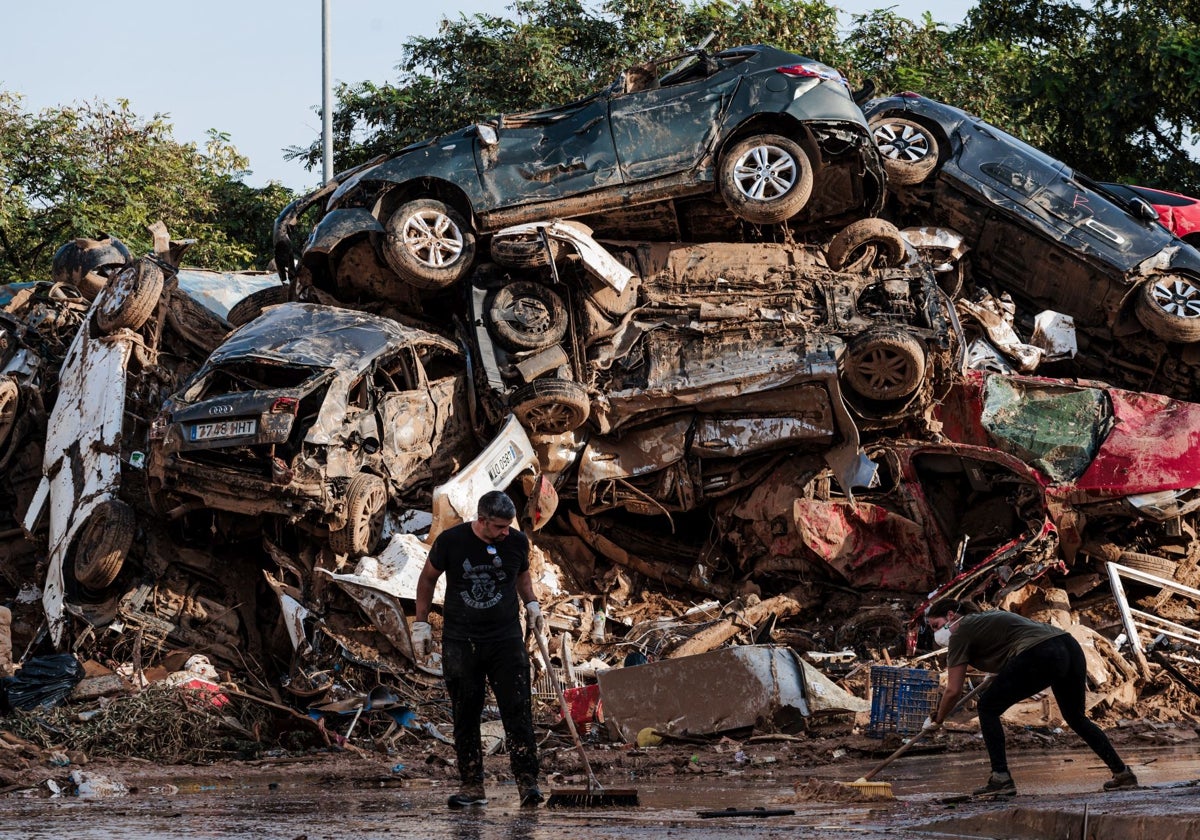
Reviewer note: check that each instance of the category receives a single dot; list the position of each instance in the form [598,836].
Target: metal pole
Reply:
[326,96]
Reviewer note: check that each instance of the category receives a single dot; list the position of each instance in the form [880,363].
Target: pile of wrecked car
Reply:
[761,349]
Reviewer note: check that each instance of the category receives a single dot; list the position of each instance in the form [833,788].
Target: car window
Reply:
[439,362]
[1054,429]
[1165,199]
[249,375]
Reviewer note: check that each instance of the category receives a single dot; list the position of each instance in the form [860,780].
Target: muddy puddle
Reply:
[1054,786]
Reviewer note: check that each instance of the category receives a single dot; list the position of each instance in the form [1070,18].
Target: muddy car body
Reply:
[777,135]
[1122,468]
[317,415]
[1048,235]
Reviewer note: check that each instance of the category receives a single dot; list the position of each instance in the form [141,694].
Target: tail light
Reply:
[812,71]
[285,405]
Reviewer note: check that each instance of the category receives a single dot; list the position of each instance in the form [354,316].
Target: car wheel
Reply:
[251,306]
[104,544]
[366,503]
[866,244]
[429,244]
[524,251]
[551,406]
[766,179]
[909,149]
[131,297]
[10,400]
[1149,563]
[527,316]
[885,365]
[1169,307]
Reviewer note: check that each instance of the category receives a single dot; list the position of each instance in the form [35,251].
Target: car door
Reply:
[526,158]
[666,130]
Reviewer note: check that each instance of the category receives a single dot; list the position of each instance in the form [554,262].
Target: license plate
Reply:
[224,429]
[505,460]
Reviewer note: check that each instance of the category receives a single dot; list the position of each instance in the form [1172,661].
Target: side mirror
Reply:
[487,134]
[864,93]
[1144,210]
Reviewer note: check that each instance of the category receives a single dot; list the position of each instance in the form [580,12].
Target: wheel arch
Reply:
[436,188]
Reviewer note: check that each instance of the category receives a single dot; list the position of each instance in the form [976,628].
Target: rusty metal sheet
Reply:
[718,691]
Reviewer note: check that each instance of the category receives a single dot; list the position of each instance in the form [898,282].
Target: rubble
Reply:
[740,463]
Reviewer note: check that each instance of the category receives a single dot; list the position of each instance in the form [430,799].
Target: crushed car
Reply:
[1051,237]
[316,415]
[777,136]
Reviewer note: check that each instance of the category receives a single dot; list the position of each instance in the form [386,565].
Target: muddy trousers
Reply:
[468,668]
[1058,664]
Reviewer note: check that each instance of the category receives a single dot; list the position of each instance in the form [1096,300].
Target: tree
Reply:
[89,168]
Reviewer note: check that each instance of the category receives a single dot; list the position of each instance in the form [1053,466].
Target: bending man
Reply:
[1026,657]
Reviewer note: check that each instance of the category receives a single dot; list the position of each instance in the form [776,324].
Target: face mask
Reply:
[941,636]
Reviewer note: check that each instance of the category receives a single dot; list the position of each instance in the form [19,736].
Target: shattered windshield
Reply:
[1056,429]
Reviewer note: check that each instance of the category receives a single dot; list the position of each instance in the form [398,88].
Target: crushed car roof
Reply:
[319,336]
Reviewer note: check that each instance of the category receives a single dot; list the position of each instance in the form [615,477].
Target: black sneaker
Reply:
[531,797]
[466,799]
[998,784]
[1122,780]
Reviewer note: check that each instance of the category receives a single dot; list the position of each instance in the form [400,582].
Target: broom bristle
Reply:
[872,790]
[592,798]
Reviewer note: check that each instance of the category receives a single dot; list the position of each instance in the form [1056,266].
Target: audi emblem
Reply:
[221,409]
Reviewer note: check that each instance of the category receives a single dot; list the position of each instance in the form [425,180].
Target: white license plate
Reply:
[505,460]
[224,429]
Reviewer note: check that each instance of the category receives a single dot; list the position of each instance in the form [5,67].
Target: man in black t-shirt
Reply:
[486,564]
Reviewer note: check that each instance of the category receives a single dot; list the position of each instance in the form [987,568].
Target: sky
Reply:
[249,68]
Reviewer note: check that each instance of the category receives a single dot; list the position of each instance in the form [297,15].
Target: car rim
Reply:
[910,144]
[884,369]
[551,419]
[1178,297]
[370,517]
[765,173]
[432,238]
[531,314]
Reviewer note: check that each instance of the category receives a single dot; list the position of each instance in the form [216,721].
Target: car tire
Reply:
[524,251]
[130,298]
[524,315]
[910,150]
[1149,563]
[429,245]
[253,304]
[1169,307]
[885,364]
[104,543]
[866,244]
[765,179]
[551,406]
[10,402]
[366,504]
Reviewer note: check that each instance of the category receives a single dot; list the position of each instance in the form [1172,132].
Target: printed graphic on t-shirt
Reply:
[482,589]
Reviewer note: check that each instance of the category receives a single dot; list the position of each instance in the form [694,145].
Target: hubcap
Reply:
[432,238]
[1178,297]
[907,144]
[765,173]
[551,419]
[883,369]
[531,314]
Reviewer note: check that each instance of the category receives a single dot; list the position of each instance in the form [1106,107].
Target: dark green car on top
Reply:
[776,136]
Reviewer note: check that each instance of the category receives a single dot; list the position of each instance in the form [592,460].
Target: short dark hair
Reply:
[495,504]
[942,608]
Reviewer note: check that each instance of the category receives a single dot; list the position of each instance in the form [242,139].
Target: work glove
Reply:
[422,638]
[534,618]
[930,725]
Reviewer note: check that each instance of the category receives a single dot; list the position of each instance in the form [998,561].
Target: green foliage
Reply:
[94,167]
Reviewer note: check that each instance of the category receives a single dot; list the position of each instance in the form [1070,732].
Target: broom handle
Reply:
[593,784]
[905,747]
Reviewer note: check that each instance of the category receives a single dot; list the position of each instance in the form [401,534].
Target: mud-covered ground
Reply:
[402,793]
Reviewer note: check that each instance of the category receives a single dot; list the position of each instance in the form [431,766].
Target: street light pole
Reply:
[326,96]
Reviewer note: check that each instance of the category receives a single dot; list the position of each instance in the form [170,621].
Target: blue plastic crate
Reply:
[901,699]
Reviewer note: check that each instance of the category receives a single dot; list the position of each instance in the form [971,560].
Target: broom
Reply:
[592,796]
[883,790]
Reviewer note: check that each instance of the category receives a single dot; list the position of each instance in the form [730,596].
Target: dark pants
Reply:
[505,666]
[1059,664]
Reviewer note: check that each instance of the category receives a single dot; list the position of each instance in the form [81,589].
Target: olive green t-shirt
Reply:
[988,640]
